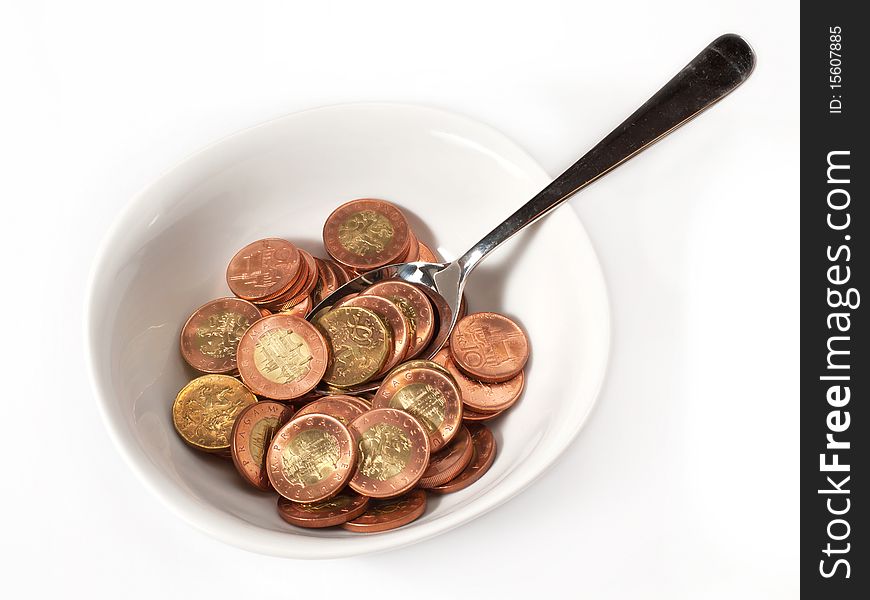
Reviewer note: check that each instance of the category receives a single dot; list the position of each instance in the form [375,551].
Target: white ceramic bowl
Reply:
[456,179]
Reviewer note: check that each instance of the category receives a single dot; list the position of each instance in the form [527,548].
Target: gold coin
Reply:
[275,345]
[429,395]
[365,233]
[393,453]
[359,341]
[311,458]
[384,465]
[206,408]
[424,401]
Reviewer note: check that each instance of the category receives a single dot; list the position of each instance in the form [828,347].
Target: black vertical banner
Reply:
[835,372]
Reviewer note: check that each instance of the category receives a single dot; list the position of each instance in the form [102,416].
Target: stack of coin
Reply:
[486,356]
[371,333]
[267,271]
[272,394]
[366,234]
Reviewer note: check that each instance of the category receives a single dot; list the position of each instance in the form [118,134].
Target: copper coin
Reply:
[463,308]
[206,408]
[265,311]
[413,253]
[307,270]
[364,405]
[429,395]
[414,304]
[339,509]
[489,347]
[487,397]
[342,273]
[395,320]
[307,287]
[282,357]
[285,293]
[251,436]
[393,453]
[366,234]
[327,281]
[305,399]
[426,254]
[311,458]
[484,455]
[471,415]
[210,337]
[383,515]
[449,462]
[442,356]
[342,408]
[300,309]
[263,268]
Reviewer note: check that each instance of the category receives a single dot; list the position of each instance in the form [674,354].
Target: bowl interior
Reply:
[455,179]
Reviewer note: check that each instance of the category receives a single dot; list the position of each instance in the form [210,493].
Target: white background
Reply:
[684,482]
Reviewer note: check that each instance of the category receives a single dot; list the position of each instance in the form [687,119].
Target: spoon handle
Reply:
[714,73]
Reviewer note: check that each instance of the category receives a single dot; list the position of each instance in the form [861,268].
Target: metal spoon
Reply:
[713,74]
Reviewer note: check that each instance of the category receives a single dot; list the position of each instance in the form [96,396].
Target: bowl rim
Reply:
[242,534]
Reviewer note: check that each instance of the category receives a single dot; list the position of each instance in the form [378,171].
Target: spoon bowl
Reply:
[442,282]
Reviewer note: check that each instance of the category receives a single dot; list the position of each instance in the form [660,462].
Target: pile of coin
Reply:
[279,393]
